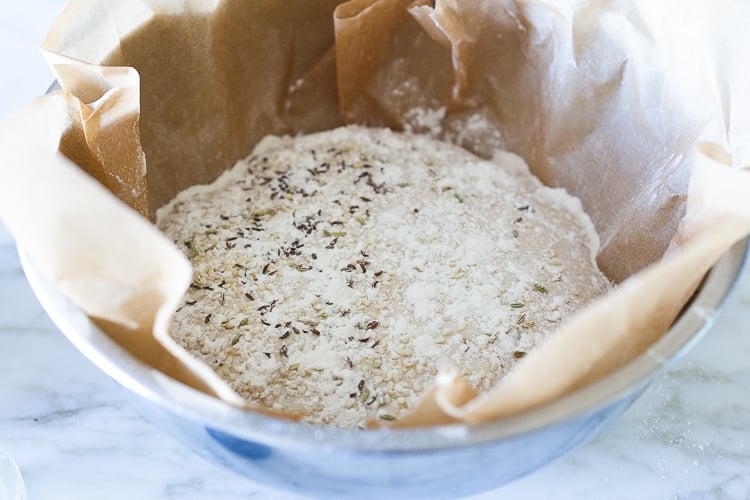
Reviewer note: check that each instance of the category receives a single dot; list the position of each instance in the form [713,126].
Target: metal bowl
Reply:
[435,462]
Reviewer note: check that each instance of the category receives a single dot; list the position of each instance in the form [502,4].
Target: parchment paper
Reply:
[613,100]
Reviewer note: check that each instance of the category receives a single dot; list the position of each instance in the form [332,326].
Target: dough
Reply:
[335,273]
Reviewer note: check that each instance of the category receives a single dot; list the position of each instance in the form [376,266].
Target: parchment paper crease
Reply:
[614,100]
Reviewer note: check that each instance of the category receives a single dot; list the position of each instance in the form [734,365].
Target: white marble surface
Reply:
[75,436]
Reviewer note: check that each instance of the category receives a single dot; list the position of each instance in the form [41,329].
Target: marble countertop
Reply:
[75,435]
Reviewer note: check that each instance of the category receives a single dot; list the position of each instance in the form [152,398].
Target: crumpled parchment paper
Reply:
[617,101]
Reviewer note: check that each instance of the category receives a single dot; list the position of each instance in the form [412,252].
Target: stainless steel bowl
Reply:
[436,462]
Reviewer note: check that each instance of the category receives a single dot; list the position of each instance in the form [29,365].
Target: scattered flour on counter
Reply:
[335,273]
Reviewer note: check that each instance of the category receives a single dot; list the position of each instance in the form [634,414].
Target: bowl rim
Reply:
[173,396]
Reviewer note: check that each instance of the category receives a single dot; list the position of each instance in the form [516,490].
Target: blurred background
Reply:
[22,28]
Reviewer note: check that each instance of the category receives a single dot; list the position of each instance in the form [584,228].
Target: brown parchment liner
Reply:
[615,101]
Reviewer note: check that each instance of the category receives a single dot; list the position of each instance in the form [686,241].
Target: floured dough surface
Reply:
[335,273]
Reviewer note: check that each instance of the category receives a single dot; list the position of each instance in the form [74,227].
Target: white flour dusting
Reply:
[335,273]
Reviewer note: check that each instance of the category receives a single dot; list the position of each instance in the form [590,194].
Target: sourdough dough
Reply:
[335,273]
